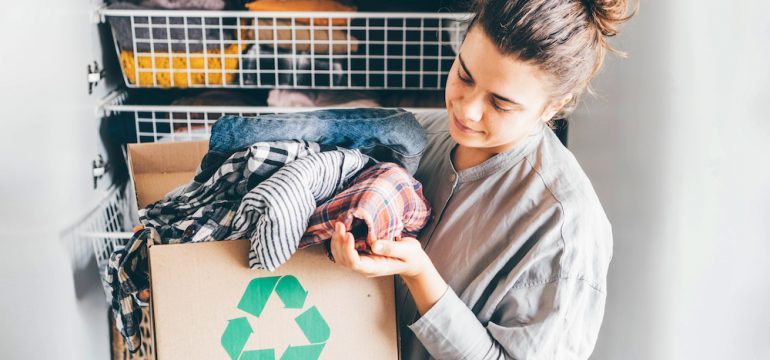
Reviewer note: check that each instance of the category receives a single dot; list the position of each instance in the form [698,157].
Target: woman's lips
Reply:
[464,128]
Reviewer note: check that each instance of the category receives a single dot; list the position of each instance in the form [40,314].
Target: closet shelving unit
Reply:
[255,50]
[300,50]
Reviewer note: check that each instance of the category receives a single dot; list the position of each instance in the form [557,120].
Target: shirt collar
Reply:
[498,162]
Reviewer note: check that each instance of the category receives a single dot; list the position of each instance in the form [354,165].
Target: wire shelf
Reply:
[107,227]
[299,50]
[158,123]
[103,229]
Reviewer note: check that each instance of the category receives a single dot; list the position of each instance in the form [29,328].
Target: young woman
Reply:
[513,263]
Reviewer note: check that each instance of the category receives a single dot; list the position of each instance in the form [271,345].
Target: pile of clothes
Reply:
[352,166]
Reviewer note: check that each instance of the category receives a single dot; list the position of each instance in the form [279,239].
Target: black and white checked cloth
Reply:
[249,195]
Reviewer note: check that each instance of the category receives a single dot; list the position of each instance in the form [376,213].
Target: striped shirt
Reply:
[206,211]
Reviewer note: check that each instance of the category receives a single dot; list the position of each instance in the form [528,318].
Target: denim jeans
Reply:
[391,135]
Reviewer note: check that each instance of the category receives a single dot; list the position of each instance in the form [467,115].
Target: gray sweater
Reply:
[524,245]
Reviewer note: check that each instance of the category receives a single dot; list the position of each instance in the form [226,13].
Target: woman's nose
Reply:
[472,108]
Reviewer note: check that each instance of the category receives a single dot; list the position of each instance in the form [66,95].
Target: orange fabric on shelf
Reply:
[304,5]
[184,74]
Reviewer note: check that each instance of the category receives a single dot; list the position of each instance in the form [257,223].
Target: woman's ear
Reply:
[554,107]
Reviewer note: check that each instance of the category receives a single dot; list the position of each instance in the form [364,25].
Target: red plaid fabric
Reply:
[383,202]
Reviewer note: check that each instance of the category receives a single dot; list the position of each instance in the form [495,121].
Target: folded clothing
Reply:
[316,98]
[264,66]
[281,33]
[158,69]
[304,5]
[167,31]
[383,202]
[185,4]
[392,135]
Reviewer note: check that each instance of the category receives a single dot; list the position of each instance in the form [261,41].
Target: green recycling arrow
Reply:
[303,352]
[256,295]
[235,336]
[265,354]
[313,325]
[291,292]
[253,301]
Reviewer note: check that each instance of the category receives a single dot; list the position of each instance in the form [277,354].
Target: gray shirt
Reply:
[524,245]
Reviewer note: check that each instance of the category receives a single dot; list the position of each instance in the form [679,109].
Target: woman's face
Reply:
[494,100]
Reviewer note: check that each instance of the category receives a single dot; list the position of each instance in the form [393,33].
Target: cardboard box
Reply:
[208,304]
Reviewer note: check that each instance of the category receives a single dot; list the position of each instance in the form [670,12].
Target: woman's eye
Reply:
[500,108]
[464,79]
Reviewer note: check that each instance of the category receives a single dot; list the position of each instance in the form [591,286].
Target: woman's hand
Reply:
[403,257]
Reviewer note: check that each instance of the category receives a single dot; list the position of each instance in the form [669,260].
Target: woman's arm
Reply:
[447,328]
[554,319]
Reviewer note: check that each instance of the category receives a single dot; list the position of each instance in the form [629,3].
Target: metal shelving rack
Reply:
[299,50]
[154,123]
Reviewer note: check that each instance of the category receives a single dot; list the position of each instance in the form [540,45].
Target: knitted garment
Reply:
[181,70]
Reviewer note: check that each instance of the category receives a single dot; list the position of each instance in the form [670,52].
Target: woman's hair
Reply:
[567,39]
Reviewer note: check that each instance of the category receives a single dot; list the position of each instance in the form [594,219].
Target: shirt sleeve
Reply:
[558,319]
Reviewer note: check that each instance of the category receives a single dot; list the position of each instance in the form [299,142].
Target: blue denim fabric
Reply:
[392,135]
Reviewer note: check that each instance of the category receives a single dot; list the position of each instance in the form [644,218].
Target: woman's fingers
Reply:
[343,248]
[402,249]
[376,265]
[389,258]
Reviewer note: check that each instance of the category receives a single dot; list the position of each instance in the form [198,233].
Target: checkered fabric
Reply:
[197,212]
[275,214]
[383,202]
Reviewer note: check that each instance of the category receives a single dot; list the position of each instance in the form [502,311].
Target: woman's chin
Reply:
[464,139]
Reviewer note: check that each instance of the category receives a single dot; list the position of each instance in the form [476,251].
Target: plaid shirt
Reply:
[200,211]
[383,202]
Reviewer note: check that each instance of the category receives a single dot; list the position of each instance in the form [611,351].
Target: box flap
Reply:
[157,168]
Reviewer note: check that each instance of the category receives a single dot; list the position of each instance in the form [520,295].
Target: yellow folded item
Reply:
[284,31]
[179,68]
[304,5]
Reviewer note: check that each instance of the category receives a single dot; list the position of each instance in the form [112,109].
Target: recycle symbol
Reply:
[293,296]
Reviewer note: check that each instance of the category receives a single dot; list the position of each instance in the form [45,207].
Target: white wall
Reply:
[51,305]
[677,146]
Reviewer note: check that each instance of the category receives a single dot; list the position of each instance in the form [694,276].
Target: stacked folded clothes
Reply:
[282,34]
[159,69]
[144,34]
[178,51]
[266,66]
[181,4]
[320,98]
[305,5]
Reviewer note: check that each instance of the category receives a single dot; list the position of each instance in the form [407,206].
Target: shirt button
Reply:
[452,177]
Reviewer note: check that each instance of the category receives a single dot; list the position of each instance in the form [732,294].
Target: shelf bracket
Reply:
[95,74]
[96,13]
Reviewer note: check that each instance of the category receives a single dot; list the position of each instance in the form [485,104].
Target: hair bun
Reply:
[607,15]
